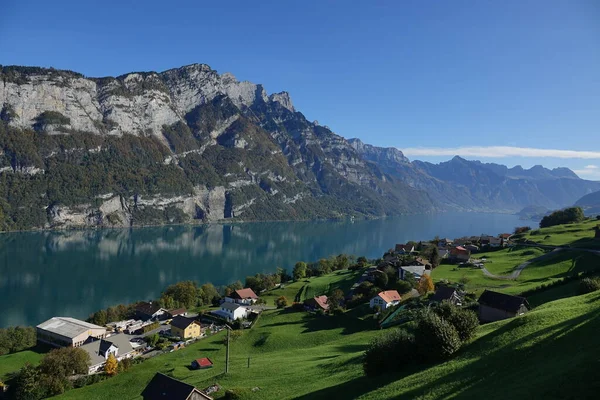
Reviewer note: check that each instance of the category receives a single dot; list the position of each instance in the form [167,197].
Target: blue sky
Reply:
[433,78]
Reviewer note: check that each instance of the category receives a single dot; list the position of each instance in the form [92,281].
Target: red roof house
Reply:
[202,363]
[242,296]
[317,302]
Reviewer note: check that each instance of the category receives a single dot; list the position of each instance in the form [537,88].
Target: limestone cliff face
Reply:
[207,147]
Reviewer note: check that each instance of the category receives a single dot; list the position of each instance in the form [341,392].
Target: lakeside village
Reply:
[155,329]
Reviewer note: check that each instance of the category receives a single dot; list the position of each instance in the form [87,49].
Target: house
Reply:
[242,296]
[444,253]
[177,311]
[316,303]
[99,350]
[416,270]
[404,248]
[202,363]
[163,387]
[385,299]
[150,311]
[67,332]
[461,241]
[459,254]
[232,311]
[495,242]
[449,294]
[185,328]
[494,306]
[444,242]
[421,262]
[471,247]
[505,236]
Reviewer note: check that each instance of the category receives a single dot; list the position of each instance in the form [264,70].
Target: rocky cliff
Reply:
[183,145]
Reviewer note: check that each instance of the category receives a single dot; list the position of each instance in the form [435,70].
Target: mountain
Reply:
[590,203]
[472,185]
[183,145]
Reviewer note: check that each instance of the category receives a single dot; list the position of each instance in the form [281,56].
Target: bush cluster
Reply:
[589,285]
[567,216]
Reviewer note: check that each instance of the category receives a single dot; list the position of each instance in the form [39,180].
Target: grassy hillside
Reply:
[544,354]
[13,362]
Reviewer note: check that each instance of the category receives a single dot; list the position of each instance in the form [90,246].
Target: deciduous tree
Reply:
[425,284]
[111,365]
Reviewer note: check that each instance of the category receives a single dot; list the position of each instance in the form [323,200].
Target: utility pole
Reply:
[227,351]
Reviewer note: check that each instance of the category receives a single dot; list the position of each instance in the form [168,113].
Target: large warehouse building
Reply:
[68,332]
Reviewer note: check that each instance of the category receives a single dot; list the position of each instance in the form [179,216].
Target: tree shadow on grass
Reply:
[522,369]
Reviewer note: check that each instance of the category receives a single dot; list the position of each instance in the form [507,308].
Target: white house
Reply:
[385,299]
[417,270]
[99,350]
[232,311]
[242,296]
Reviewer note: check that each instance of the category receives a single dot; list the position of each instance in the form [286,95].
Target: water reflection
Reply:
[74,273]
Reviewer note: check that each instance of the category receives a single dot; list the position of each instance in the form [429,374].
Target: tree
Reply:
[436,338]
[434,257]
[395,344]
[425,284]
[65,362]
[209,294]
[237,285]
[111,365]
[99,318]
[362,261]
[299,271]
[341,262]
[152,340]
[391,273]
[27,384]
[335,299]
[589,285]
[464,321]
[184,294]
[381,280]
[567,216]
[281,302]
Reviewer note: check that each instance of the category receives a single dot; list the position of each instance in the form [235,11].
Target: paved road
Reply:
[515,274]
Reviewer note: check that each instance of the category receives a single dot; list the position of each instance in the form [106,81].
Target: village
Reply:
[155,330]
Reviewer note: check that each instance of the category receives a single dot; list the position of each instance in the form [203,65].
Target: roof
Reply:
[405,247]
[177,311]
[105,345]
[120,341]
[245,293]
[443,293]
[415,269]
[204,362]
[163,387]
[147,308]
[502,301]
[320,301]
[460,248]
[182,322]
[389,295]
[67,327]
[230,306]
[505,235]
[421,261]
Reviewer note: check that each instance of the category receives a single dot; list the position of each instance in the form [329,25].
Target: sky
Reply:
[515,82]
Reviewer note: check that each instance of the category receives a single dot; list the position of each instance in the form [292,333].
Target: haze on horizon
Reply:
[513,83]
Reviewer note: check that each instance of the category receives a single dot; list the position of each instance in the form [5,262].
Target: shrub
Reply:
[403,286]
[566,216]
[281,302]
[522,229]
[436,338]
[588,285]
[598,217]
[464,321]
[396,345]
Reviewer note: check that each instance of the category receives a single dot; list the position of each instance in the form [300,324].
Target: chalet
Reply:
[68,332]
[449,294]
[186,328]
[150,311]
[505,236]
[416,270]
[459,254]
[385,299]
[202,363]
[163,387]
[232,311]
[444,242]
[242,296]
[99,350]
[404,248]
[316,303]
[421,262]
[494,306]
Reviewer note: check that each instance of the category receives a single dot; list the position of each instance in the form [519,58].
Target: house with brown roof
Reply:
[385,299]
[459,254]
[150,311]
[494,306]
[449,294]
[316,303]
[422,262]
[505,236]
[177,311]
[163,387]
[242,296]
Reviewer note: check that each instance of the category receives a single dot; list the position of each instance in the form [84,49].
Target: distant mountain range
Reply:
[189,144]
[590,203]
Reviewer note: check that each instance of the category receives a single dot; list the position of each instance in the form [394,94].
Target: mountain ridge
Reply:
[191,145]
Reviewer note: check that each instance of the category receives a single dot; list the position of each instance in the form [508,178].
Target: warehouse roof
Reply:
[67,327]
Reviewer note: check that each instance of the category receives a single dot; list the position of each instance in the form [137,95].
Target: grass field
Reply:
[577,235]
[13,362]
[543,354]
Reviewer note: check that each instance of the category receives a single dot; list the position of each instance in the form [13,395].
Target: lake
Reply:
[74,273]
